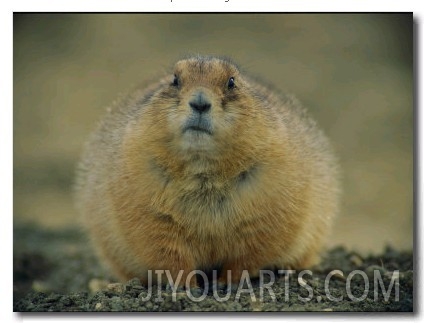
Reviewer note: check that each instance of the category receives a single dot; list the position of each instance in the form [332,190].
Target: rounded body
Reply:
[207,169]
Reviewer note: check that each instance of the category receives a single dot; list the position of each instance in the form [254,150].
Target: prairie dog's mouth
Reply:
[197,129]
[201,125]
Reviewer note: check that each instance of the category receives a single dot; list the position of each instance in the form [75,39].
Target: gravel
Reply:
[56,271]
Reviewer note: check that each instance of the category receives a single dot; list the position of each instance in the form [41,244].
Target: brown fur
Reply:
[260,191]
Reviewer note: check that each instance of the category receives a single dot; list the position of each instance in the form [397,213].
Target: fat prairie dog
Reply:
[207,169]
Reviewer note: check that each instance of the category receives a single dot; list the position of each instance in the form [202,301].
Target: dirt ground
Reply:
[56,271]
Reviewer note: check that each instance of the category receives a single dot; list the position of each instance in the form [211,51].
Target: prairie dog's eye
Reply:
[175,81]
[231,83]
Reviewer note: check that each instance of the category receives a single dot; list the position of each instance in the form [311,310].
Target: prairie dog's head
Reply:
[205,106]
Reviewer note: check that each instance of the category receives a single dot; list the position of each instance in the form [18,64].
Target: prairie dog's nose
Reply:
[200,103]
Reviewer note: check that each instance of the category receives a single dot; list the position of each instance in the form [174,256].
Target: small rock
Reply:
[96,285]
[356,260]
[98,306]
[134,282]
[257,306]
[144,296]
[116,288]
[339,276]
[52,298]
[40,286]
[116,304]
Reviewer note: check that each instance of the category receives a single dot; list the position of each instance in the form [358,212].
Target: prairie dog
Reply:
[207,168]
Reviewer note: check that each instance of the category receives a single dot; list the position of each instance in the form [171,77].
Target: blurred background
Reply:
[354,72]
